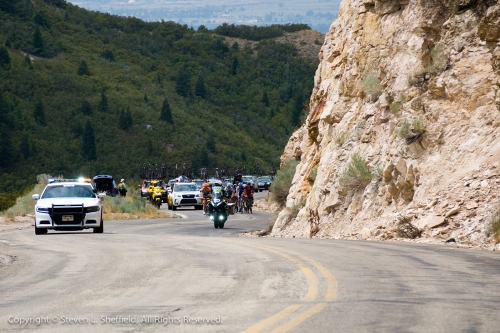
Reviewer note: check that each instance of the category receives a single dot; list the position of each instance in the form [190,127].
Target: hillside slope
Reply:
[402,136]
[89,97]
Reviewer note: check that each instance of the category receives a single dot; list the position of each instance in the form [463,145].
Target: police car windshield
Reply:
[68,191]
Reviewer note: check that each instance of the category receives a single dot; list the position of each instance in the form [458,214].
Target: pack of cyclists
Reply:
[235,193]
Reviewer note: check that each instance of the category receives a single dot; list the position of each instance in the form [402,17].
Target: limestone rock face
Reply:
[412,88]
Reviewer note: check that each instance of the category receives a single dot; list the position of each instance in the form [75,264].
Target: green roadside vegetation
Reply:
[85,93]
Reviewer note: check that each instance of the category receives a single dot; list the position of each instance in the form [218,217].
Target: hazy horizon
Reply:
[318,14]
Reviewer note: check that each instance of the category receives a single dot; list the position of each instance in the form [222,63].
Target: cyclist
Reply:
[248,192]
[205,191]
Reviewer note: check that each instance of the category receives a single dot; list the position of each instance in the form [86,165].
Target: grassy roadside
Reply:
[115,208]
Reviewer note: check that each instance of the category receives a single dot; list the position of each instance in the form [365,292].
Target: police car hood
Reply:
[87,202]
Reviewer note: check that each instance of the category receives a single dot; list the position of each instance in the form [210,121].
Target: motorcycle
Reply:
[155,193]
[218,208]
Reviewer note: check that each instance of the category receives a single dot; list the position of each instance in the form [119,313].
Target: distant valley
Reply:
[318,14]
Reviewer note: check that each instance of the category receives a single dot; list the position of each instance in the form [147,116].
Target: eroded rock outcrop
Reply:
[413,89]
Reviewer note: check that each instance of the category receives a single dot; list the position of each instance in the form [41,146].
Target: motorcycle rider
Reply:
[205,191]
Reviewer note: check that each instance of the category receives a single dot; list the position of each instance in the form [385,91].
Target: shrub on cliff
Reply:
[281,185]
[357,174]
[494,227]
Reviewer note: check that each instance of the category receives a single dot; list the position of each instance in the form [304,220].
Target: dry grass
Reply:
[341,138]
[494,227]
[115,208]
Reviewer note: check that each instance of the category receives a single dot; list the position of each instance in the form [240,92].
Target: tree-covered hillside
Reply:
[84,93]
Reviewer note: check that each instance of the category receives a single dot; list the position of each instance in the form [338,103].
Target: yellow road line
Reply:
[298,319]
[274,318]
[312,292]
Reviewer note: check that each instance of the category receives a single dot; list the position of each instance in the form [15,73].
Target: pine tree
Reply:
[103,104]
[39,114]
[297,109]
[145,98]
[235,46]
[4,111]
[199,89]
[4,58]
[25,145]
[83,69]
[88,142]
[27,62]
[38,41]
[122,121]
[183,82]
[235,66]
[128,118]
[166,113]
[6,147]
[85,108]
[265,99]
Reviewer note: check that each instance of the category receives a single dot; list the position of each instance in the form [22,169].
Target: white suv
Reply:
[184,194]
[68,205]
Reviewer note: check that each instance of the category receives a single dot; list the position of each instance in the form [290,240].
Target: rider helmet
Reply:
[205,185]
[240,184]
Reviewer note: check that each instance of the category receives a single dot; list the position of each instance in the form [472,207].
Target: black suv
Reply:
[105,183]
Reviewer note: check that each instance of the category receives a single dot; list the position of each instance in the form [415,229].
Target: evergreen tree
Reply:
[297,109]
[145,98]
[41,20]
[85,108]
[39,114]
[28,8]
[265,98]
[199,89]
[235,66]
[27,62]
[4,111]
[38,41]
[88,142]
[6,147]
[103,104]
[211,145]
[108,55]
[8,6]
[25,145]
[166,113]
[122,121]
[83,69]
[128,118]
[183,82]
[235,46]
[4,58]
[77,129]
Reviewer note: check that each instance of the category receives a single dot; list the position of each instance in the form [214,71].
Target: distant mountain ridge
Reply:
[318,14]
[105,94]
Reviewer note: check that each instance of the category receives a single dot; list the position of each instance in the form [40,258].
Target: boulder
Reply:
[430,221]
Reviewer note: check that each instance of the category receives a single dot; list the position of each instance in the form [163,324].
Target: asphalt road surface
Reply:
[183,275]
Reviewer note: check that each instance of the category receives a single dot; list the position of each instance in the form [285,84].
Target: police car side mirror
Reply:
[36,196]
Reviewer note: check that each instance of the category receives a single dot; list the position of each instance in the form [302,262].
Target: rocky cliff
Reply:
[402,137]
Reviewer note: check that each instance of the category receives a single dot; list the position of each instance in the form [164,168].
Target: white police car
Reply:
[68,204]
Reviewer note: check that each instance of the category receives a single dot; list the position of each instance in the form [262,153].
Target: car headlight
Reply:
[178,195]
[92,209]
[42,210]
[198,195]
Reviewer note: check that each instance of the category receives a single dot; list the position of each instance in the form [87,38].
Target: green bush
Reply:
[371,84]
[281,185]
[312,174]
[342,138]
[25,204]
[413,131]
[494,227]
[357,174]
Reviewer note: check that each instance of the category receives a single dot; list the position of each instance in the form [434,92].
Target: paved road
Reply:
[184,269]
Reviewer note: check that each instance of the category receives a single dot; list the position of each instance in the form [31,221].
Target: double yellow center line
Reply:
[311,295]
